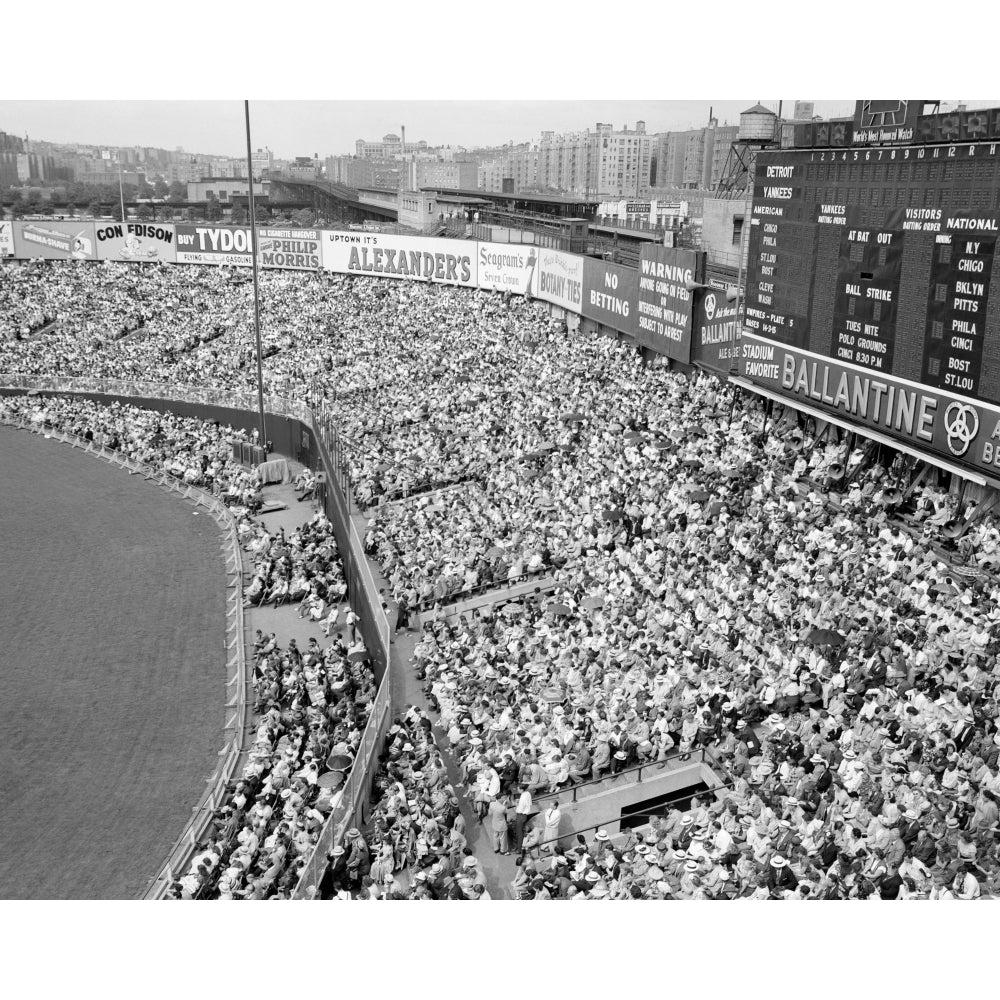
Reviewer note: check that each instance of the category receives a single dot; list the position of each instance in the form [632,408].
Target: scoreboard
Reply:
[869,274]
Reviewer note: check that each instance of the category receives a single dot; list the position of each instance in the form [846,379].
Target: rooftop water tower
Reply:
[757,124]
[758,129]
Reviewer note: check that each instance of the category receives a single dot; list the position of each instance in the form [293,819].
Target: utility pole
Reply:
[256,283]
[121,189]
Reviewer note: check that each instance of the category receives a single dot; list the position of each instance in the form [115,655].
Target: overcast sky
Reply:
[588,71]
[301,128]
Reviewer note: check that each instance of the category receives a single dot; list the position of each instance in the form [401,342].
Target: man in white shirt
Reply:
[723,840]
[966,885]
[550,834]
[192,882]
[522,814]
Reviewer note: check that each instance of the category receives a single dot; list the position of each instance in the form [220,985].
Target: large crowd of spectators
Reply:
[310,705]
[415,845]
[196,452]
[710,584]
[311,708]
[696,579]
[87,303]
[302,567]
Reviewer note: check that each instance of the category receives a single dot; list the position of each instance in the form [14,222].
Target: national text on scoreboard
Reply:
[882,260]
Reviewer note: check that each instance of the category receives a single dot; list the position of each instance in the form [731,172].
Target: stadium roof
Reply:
[649,235]
[452,199]
[550,199]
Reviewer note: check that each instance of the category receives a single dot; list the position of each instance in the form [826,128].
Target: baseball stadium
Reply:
[352,562]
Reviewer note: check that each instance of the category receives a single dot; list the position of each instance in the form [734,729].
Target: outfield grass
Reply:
[112,671]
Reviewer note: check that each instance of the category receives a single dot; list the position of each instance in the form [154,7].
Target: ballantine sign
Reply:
[959,429]
[880,402]
[716,324]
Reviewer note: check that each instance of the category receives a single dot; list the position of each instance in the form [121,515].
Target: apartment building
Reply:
[694,158]
[589,163]
[390,146]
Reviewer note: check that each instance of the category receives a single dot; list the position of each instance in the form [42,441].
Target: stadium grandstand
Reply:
[551,577]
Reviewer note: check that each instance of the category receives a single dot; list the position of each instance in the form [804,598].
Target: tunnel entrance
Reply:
[639,813]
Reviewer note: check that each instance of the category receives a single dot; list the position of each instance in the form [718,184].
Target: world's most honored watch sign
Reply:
[874,268]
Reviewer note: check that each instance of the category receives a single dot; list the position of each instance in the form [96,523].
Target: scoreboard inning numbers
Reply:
[869,274]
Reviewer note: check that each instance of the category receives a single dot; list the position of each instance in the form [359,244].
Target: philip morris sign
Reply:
[963,431]
[210,244]
[294,249]
[411,258]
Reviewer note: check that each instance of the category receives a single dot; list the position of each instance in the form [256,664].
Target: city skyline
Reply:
[332,127]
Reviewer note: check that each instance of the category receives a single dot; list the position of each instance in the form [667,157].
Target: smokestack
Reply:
[405,185]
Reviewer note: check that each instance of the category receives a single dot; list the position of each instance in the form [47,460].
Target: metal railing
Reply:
[432,494]
[580,831]
[349,809]
[633,225]
[608,781]
[449,603]
[183,848]
[424,488]
[646,814]
[378,613]
[361,588]
[231,398]
[338,461]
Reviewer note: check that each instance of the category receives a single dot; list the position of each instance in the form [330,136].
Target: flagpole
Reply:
[256,284]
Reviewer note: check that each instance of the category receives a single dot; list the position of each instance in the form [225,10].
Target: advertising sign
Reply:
[664,303]
[507,267]
[609,294]
[136,241]
[295,249]
[64,240]
[960,430]
[411,258]
[716,336]
[885,122]
[560,279]
[208,244]
[6,239]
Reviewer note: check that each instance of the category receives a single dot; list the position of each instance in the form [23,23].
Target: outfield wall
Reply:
[292,432]
[649,304]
